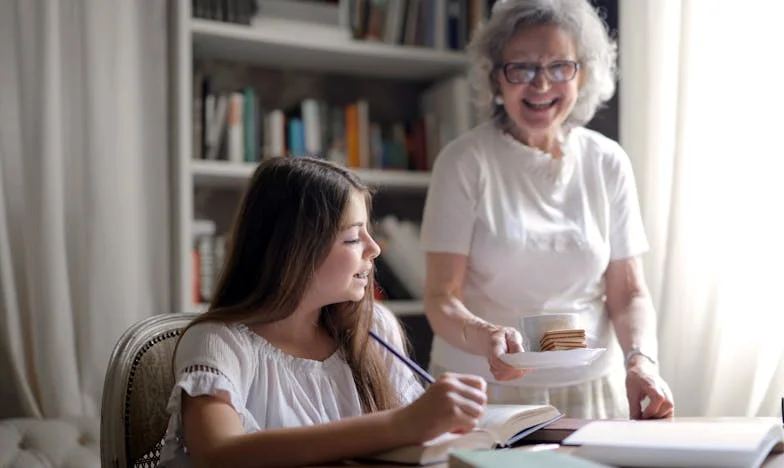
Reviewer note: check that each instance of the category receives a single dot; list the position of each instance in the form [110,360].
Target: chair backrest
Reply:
[138,382]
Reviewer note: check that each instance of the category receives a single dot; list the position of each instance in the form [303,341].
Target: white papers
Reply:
[705,443]
[549,359]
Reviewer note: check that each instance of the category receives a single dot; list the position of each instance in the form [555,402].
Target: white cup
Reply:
[533,327]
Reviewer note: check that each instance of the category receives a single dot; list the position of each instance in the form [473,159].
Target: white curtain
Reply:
[84,235]
[701,101]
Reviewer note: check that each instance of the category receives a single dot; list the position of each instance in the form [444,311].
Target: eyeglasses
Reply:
[558,71]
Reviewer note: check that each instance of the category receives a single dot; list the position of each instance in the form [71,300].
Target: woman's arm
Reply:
[452,321]
[444,308]
[632,314]
[630,307]
[214,434]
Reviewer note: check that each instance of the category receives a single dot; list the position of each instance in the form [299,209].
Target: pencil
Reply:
[408,362]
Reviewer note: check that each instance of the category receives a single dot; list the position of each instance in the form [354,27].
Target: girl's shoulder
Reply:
[207,338]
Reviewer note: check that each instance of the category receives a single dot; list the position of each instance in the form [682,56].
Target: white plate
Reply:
[547,359]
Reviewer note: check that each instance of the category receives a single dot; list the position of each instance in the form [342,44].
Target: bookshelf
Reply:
[222,174]
[287,45]
[283,43]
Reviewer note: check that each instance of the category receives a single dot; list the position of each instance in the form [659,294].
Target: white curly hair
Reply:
[596,52]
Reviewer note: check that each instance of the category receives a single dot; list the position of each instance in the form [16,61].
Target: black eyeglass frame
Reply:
[537,69]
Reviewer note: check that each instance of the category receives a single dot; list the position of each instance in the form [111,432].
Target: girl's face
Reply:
[539,107]
[344,274]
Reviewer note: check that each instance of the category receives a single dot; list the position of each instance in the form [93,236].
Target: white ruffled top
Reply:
[268,388]
[547,169]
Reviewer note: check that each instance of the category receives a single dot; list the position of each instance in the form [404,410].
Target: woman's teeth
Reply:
[362,275]
[540,105]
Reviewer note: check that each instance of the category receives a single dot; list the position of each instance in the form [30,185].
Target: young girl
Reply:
[281,370]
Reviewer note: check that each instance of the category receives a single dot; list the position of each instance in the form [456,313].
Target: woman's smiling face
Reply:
[539,108]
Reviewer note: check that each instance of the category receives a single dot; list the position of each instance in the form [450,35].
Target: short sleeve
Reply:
[387,326]
[213,359]
[627,233]
[451,203]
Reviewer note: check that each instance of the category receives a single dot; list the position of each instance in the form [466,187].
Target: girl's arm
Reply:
[214,434]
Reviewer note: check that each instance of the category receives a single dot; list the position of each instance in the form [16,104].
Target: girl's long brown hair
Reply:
[286,224]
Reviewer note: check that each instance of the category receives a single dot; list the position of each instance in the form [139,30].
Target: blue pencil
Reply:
[408,362]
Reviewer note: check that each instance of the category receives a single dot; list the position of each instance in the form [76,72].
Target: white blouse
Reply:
[268,388]
[538,234]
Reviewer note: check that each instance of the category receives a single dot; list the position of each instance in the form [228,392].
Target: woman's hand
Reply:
[505,340]
[643,380]
[454,403]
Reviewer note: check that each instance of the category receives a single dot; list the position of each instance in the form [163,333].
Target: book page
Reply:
[504,421]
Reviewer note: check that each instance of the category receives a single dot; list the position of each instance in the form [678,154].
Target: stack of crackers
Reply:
[558,340]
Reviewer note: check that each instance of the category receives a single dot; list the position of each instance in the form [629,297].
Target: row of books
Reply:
[440,24]
[229,11]
[208,253]
[236,126]
[400,269]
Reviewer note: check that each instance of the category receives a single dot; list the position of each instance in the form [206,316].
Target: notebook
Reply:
[516,458]
[707,443]
[501,426]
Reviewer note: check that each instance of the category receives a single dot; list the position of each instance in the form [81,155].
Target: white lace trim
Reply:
[556,171]
[270,351]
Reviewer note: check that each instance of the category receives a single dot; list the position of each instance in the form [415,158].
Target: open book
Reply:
[501,426]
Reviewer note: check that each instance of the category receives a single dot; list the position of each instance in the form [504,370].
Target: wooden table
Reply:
[774,460]
[559,430]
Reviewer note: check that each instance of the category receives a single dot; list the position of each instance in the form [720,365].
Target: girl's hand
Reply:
[454,403]
[505,340]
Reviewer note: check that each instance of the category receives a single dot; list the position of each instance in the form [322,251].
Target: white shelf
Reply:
[222,174]
[288,44]
[399,308]
[403,308]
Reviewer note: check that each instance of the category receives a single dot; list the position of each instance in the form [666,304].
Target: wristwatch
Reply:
[636,352]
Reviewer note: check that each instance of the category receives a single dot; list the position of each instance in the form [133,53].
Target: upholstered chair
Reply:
[138,382]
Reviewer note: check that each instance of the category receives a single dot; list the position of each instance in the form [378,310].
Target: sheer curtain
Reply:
[700,116]
[84,230]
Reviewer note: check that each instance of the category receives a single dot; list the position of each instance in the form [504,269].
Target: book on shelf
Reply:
[402,253]
[209,251]
[438,24]
[236,126]
[501,426]
[229,11]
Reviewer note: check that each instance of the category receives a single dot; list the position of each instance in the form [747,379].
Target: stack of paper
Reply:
[678,443]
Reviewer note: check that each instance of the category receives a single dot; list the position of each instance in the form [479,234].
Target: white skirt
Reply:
[602,398]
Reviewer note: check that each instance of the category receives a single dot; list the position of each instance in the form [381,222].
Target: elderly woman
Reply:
[530,213]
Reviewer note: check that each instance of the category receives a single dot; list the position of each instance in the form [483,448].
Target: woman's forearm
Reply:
[630,307]
[323,443]
[635,326]
[448,316]
[452,321]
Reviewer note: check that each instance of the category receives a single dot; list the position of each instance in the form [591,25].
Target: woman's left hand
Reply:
[505,340]
[643,380]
